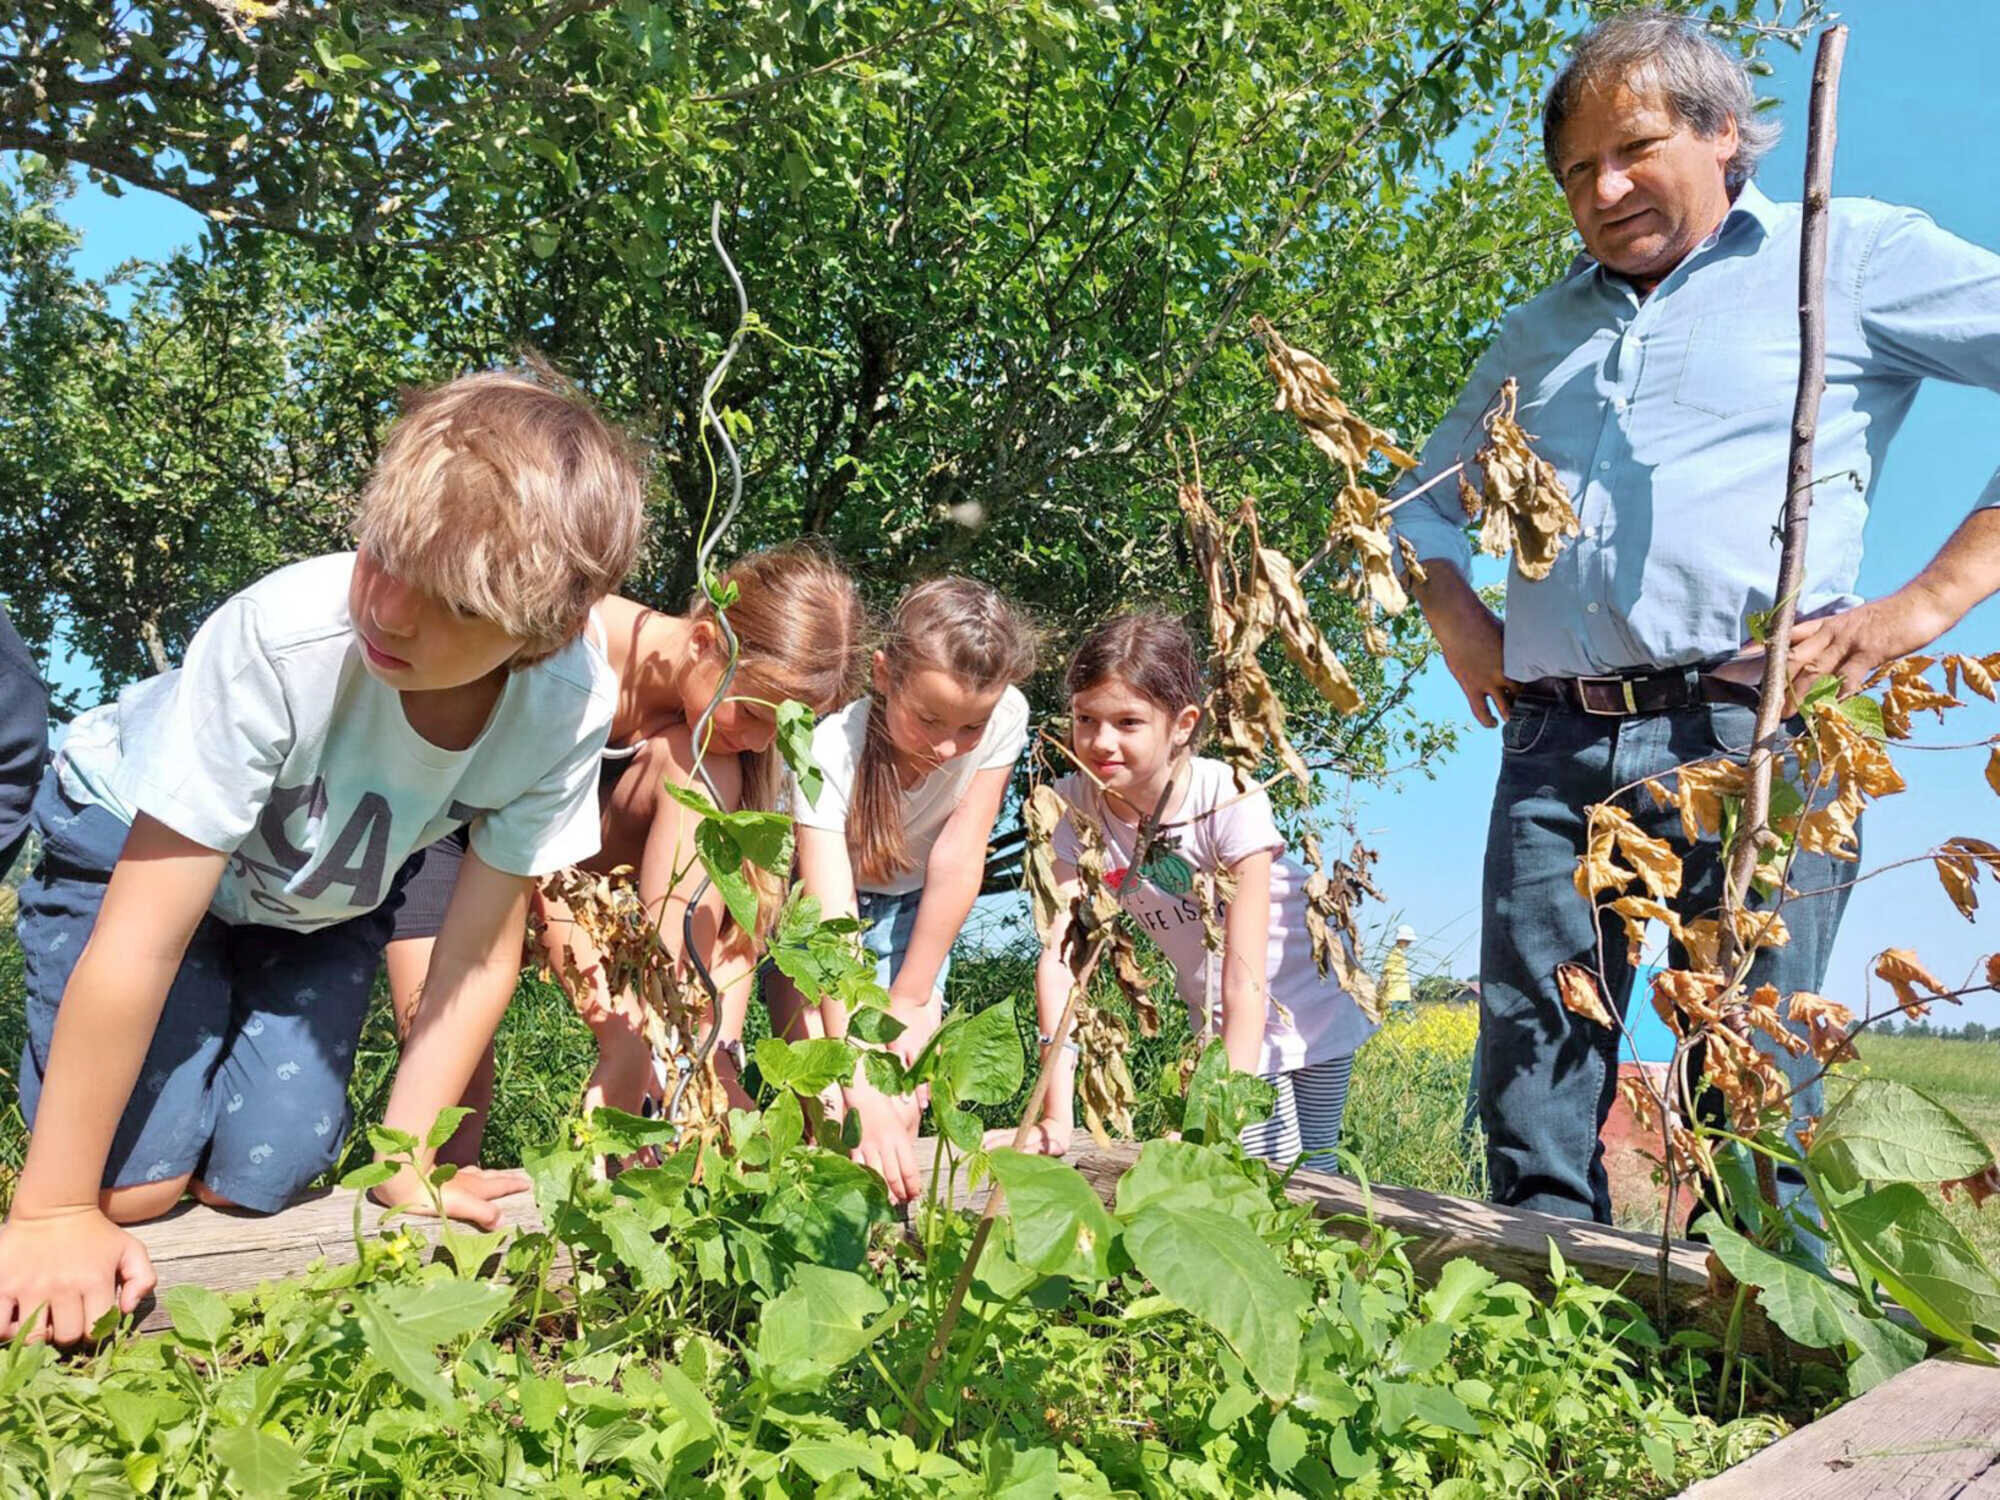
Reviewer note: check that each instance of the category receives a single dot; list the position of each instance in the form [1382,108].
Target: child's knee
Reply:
[142,1201]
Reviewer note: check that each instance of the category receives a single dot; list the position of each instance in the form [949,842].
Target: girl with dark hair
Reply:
[1135,694]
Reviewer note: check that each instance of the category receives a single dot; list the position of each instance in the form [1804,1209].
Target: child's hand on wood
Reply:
[1045,1138]
[471,1196]
[59,1273]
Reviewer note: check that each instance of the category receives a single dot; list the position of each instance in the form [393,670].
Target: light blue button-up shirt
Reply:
[1669,421]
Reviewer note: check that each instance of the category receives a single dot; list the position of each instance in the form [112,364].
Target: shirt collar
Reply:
[1750,206]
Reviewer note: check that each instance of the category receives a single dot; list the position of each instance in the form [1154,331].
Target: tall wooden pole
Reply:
[1755,829]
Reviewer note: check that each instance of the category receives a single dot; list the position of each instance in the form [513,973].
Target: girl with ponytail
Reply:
[799,626]
[913,778]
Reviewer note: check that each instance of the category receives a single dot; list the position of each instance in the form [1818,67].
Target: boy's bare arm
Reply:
[58,1250]
[474,968]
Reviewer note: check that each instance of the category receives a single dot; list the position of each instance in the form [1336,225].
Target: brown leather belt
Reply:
[1626,694]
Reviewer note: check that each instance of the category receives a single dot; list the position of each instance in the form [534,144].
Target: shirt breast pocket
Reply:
[1739,361]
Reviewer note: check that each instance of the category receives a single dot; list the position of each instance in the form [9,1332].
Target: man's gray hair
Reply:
[1701,83]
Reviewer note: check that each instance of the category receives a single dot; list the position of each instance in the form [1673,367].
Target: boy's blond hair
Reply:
[506,495]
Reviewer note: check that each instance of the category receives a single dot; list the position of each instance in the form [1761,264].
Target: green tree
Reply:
[1005,247]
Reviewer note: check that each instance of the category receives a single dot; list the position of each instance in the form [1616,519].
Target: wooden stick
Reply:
[1776,685]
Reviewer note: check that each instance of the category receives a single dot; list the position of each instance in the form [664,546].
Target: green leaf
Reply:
[1285,1444]
[805,1067]
[620,1133]
[1925,1262]
[1885,1131]
[446,1125]
[542,1401]
[823,1320]
[1060,1226]
[198,1315]
[258,1462]
[1192,1177]
[1459,1291]
[978,1058]
[391,1142]
[1813,1309]
[371,1174]
[874,1026]
[784,1123]
[403,1326]
[1218,1269]
[1865,714]
[723,860]
[795,735]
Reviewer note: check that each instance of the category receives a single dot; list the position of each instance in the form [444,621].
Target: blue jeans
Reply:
[1546,1078]
[892,919]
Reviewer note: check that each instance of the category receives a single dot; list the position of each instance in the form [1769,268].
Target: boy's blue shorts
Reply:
[245,1083]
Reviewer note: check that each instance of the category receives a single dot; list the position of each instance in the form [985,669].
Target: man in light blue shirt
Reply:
[1658,379]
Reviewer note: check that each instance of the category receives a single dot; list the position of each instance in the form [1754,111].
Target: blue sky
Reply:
[1914,117]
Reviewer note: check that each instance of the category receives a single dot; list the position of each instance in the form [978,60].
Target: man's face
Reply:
[1643,188]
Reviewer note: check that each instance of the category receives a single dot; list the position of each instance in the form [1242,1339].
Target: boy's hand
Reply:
[470,1196]
[888,1137]
[60,1272]
[1045,1138]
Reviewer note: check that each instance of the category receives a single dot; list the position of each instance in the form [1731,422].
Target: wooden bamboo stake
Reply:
[1755,832]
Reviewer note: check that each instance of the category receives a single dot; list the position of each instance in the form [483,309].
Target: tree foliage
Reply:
[1003,248]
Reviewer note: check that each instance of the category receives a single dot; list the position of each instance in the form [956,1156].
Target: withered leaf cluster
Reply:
[1526,510]
[1247,601]
[1333,899]
[1360,546]
[633,960]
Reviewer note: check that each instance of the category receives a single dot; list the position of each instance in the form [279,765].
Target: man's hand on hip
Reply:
[1470,634]
[1852,644]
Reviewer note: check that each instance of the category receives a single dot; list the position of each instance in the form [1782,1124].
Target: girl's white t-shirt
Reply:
[1215,826]
[273,743]
[927,806]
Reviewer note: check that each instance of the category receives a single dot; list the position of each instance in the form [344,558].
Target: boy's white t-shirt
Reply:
[1215,826]
[273,743]
[836,747]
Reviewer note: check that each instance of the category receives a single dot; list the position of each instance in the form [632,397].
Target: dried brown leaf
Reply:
[1527,510]
[1580,996]
[1904,973]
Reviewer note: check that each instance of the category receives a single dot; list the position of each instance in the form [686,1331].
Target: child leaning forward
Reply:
[203,927]
[1135,697]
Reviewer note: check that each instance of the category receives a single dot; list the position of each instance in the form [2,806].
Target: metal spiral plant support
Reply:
[705,547]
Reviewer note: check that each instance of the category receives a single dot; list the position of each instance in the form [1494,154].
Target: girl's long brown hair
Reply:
[801,629]
[951,624]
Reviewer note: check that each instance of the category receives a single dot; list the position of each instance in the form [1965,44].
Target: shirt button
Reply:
[1604,466]
[1590,608]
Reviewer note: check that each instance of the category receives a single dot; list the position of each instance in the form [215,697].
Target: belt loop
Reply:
[1691,684]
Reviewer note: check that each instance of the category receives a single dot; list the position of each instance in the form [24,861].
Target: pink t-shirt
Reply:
[1214,827]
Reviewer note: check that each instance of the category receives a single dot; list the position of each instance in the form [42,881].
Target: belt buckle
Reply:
[1622,700]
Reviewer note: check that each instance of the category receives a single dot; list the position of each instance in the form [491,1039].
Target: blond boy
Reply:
[202,930]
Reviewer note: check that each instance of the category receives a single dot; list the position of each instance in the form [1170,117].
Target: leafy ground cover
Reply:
[753,1321]
[750,1323]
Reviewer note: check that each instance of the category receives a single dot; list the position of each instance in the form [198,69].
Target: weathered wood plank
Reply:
[228,1250]
[1931,1432]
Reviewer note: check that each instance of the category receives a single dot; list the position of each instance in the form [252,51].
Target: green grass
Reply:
[1962,1076]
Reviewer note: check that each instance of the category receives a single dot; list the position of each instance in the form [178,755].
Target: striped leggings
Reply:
[1305,1122]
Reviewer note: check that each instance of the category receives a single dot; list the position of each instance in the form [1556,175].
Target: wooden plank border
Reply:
[229,1251]
[1932,1431]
